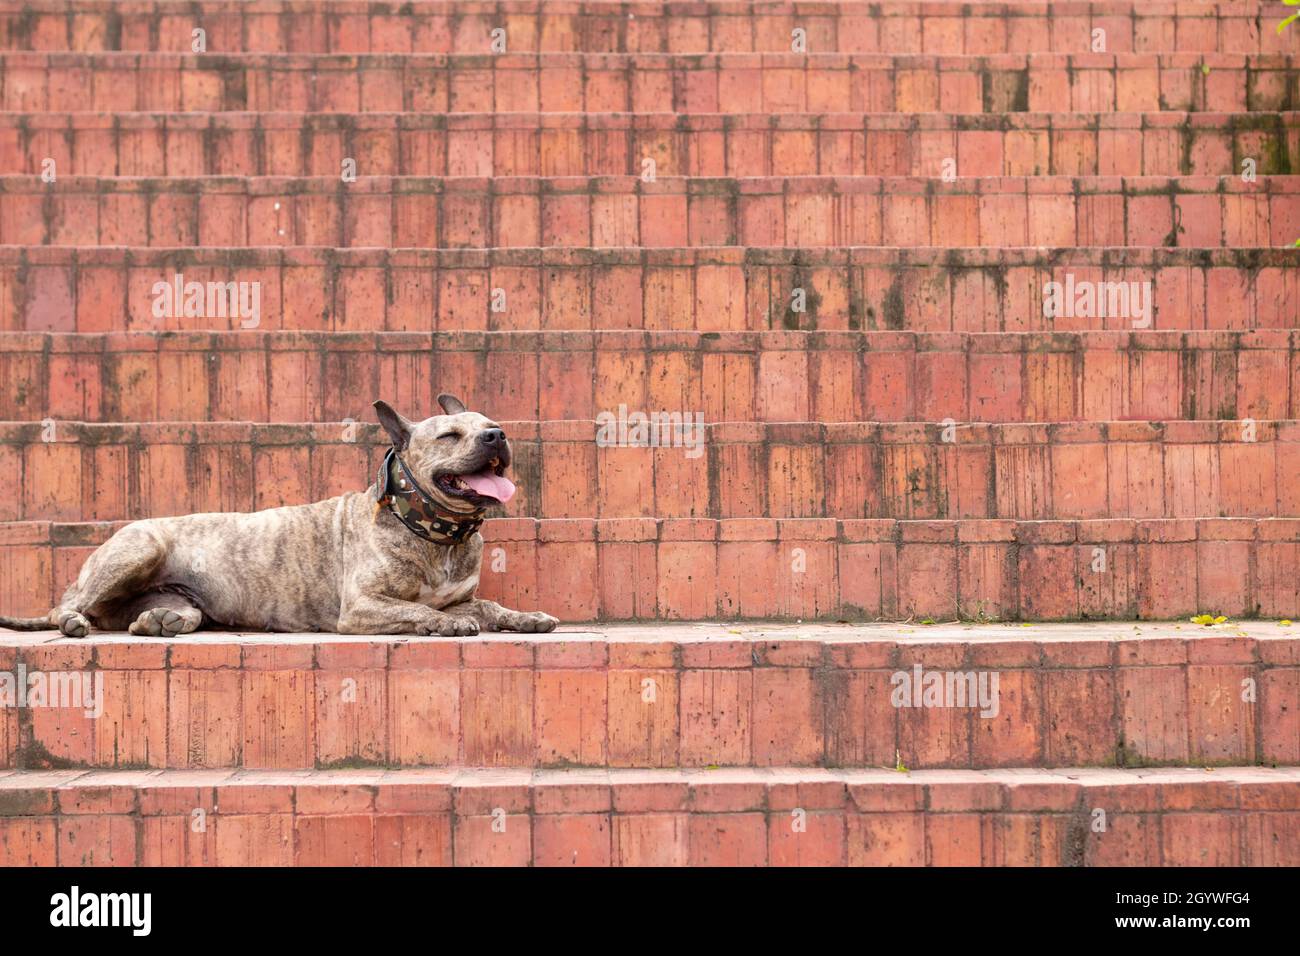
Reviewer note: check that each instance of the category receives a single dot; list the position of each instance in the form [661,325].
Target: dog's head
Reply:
[459,459]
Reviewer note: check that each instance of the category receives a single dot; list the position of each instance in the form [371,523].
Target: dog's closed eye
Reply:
[451,435]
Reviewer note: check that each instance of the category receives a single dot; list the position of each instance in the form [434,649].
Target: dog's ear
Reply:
[451,404]
[398,428]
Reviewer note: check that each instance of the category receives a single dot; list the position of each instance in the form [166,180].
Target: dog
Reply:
[402,557]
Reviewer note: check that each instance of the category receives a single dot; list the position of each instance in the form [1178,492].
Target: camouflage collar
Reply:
[412,506]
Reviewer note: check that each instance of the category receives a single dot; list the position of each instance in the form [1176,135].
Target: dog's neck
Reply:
[416,509]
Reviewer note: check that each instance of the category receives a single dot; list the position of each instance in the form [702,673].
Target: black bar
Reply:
[663,907]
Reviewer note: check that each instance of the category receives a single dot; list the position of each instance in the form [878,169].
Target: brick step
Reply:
[70,471]
[90,289]
[531,211]
[617,144]
[781,817]
[850,27]
[819,568]
[665,696]
[99,289]
[651,82]
[726,376]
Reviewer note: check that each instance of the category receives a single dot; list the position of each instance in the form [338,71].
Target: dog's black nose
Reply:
[492,436]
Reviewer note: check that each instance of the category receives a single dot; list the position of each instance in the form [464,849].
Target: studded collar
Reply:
[413,506]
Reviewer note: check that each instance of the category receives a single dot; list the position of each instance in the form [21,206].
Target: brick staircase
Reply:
[836,255]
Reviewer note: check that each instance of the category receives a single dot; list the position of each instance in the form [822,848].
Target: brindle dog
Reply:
[362,563]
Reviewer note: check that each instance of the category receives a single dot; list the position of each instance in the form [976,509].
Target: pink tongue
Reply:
[491,485]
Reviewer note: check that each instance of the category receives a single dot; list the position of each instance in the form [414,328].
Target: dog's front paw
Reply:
[535,622]
[459,627]
[449,625]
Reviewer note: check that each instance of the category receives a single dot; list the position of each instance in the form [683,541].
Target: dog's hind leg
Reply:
[121,567]
[161,614]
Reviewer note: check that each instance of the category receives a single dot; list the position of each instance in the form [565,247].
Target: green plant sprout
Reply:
[1295,16]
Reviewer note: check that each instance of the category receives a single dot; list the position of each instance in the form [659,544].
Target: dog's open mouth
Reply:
[489,486]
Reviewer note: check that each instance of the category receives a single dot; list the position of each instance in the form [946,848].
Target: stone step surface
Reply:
[75,471]
[726,376]
[710,289]
[618,144]
[649,82]
[527,211]
[628,569]
[599,27]
[661,696]
[780,817]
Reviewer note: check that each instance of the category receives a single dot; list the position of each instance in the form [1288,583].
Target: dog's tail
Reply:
[27,623]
